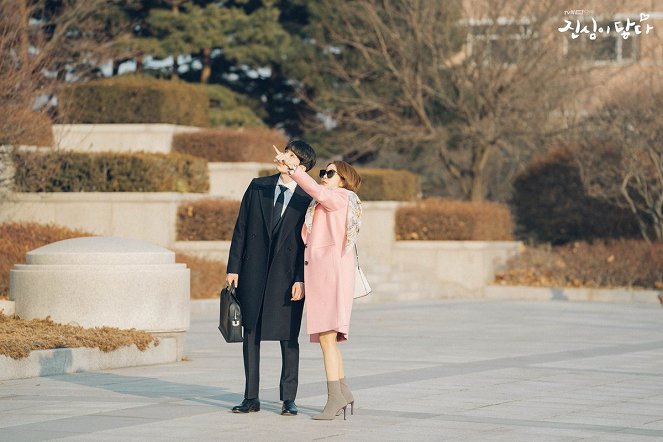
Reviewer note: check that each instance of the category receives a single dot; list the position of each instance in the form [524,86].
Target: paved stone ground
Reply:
[447,370]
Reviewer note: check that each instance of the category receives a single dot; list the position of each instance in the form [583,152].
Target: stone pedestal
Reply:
[104,281]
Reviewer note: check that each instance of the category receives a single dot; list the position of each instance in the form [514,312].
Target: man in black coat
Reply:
[266,264]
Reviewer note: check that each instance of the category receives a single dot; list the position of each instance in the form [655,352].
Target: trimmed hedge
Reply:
[376,184]
[209,219]
[388,185]
[64,171]
[207,276]
[17,239]
[448,220]
[230,145]
[551,205]
[619,263]
[134,99]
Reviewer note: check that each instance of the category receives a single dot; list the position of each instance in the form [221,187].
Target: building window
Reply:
[500,42]
[607,48]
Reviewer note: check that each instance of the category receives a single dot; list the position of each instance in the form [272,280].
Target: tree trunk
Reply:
[477,193]
[116,67]
[207,68]
[478,190]
[139,63]
[176,68]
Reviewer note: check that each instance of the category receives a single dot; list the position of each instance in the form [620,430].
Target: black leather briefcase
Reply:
[230,315]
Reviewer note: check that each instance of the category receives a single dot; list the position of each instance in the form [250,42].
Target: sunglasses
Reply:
[329,173]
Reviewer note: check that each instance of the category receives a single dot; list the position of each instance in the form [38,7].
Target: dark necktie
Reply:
[278,207]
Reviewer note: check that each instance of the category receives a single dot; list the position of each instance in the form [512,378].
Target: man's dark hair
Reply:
[304,152]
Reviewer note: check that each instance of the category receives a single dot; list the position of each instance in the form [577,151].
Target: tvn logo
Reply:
[579,12]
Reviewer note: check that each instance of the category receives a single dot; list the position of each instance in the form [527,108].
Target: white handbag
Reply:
[362,287]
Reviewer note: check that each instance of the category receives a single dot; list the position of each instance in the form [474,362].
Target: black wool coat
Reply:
[263,284]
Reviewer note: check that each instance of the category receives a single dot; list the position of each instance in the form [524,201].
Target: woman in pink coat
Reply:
[330,232]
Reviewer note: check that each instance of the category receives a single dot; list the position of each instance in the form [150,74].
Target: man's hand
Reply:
[232,278]
[297,291]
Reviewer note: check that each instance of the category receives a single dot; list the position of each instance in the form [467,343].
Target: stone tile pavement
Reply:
[462,370]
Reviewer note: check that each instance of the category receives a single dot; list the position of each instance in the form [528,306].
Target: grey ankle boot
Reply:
[335,402]
[347,395]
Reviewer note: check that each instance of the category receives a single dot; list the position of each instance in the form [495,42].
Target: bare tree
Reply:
[471,82]
[19,73]
[620,157]
[41,43]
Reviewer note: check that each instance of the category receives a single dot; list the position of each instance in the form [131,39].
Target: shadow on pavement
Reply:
[154,388]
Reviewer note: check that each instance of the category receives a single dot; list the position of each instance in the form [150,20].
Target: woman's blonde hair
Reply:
[348,174]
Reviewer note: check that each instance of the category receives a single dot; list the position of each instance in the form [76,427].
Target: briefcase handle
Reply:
[232,291]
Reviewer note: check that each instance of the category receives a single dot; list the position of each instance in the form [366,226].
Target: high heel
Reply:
[335,403]
[347,394]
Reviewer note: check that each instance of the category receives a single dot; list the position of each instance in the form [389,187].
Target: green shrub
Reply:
[376,184]
[134,99]
[241,116]
[551,205]
[210,219]
[436,219]
[617,263]
[230,145]
[65,171]
[230,109]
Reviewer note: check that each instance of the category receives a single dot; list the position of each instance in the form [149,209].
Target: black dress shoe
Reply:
[247,405]
[289,408]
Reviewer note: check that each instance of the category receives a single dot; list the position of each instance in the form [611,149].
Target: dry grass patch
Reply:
[622,263]
[18,337]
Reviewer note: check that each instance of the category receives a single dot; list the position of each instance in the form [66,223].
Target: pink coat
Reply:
[329,270]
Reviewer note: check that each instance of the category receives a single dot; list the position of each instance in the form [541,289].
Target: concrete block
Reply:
[97,281]
[470,264]
[230,180]
[572,294]
[7,307]
[144,216]
[214,250]
[72,360]
[377,230]
[117,137]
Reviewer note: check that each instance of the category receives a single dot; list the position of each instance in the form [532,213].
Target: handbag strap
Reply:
[357,255]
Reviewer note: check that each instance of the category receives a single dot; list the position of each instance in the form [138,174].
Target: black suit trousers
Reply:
[289,365]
